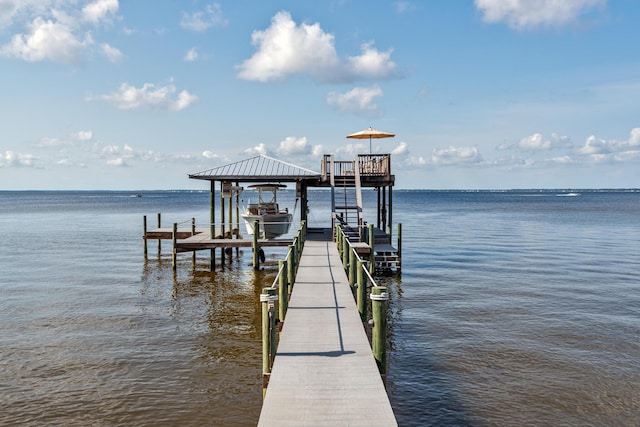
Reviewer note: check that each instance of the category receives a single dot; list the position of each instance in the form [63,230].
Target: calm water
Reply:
[514,308]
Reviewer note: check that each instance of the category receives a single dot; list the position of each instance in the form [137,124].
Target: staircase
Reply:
[346,198]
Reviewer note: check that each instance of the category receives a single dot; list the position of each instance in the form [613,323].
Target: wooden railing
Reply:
[368,165]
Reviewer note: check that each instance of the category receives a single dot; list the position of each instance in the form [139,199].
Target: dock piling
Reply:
[159,240]
[283,290]
[372,253]
[362,291]
[174,251]
[144,235]
[379,300]
[256,234]
[268,299]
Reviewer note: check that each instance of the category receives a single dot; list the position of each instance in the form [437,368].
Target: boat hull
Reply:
[271,225]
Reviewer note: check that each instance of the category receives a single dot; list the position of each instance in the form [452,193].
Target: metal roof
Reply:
[259,168]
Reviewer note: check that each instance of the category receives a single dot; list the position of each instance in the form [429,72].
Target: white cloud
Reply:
[286,48]
[525,14]
[54,30]
[129,97]
[191,55]
[537,142]
[211,16]
[534,142]
[44,40]
[83,135]
[594,145]
[416,161]
[117,162]
[371,64]
[112,53]
[455,156]
[358,100]
[258,149]
[600,150]
[15,159]
[351,150]
[207,154]
[75,138]
[401,150]
[185,99]
[292,145]
[317,151]
[99,10]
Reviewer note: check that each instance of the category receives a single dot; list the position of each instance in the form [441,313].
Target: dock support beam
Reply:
[379,300]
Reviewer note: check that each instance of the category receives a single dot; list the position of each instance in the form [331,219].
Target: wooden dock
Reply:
[324,371]
[188,241]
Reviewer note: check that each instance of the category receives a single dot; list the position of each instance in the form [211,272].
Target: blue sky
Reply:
[484,94]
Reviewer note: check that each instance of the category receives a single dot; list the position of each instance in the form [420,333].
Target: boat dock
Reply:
[320,368]
[324,371]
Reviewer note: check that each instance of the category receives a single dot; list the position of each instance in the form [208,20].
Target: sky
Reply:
[481,94]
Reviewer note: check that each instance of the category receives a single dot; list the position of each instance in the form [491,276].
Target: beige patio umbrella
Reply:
[370,134]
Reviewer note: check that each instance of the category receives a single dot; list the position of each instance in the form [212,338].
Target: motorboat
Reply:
[273,221]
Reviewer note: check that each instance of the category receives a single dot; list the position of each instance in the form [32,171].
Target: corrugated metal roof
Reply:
[256,168]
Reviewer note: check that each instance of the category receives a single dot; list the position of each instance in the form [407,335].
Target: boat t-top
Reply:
[273,222]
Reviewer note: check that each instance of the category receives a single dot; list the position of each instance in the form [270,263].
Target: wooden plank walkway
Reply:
[324,371]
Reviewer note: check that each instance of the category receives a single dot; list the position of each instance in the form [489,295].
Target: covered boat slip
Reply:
[324,372]
[345,179]
[365,171]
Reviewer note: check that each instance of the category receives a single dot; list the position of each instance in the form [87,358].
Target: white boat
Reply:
[273,221]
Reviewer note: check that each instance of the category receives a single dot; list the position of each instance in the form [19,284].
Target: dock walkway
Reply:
[324,371]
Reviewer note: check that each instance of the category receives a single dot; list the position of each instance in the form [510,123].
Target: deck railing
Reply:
[361,282]
[368,165]
[275,301]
